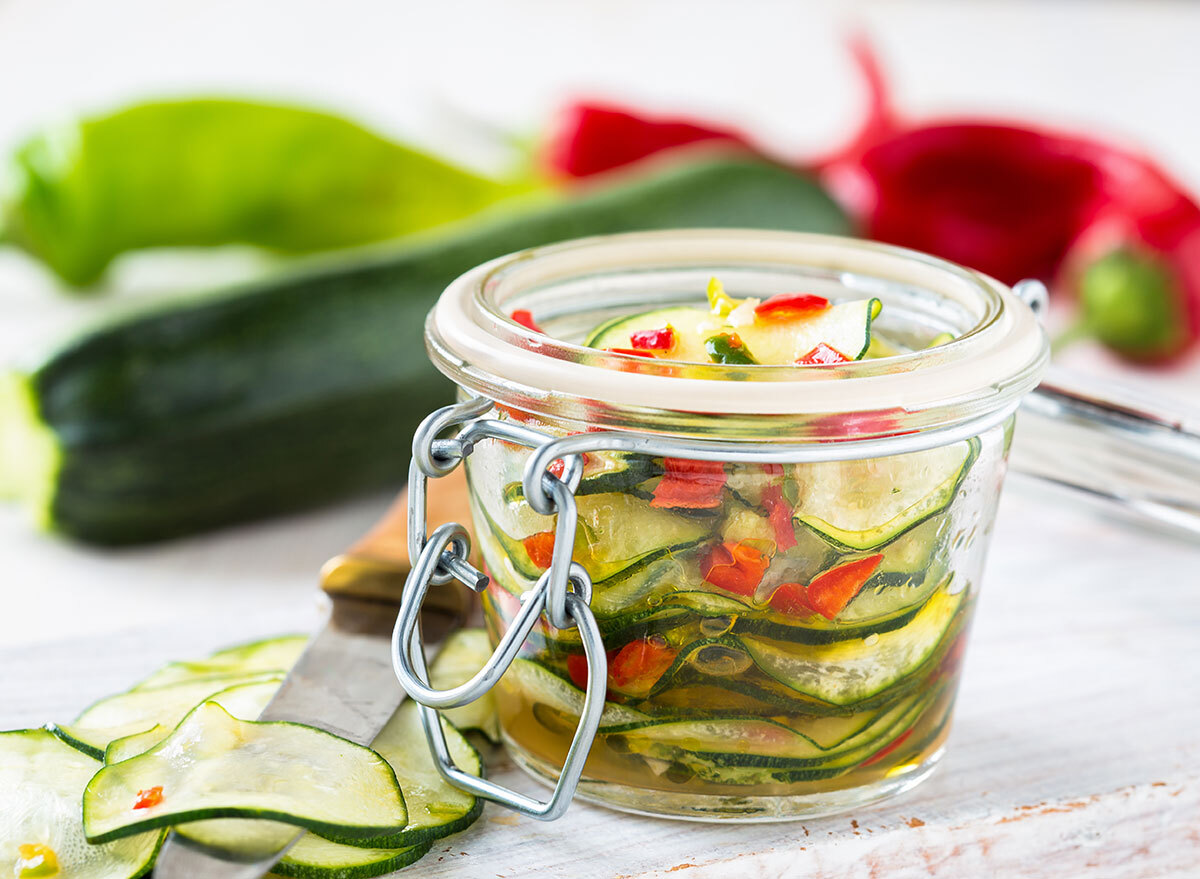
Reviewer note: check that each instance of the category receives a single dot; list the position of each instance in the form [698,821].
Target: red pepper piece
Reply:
[791,598]
[692,485]
[540,548]
[639,664]
[558,467]
[149,798]
[823,355]
[577,670]
[524,317]
[734,567]
[779,512]
[591,138]
[790,306]
[654,340]
[889,747]
[832,590]
[633,352]
[772,469]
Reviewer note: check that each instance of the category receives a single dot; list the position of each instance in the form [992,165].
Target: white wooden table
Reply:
[1076,749]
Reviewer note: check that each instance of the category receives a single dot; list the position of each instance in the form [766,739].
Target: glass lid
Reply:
[998,353]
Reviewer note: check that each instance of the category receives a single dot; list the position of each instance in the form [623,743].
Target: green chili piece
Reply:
[728,348]
[209,172]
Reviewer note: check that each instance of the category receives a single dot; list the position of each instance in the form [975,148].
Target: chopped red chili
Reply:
[734,567]
[790,306]
[662,339]
[540,548]
[889,747]
[823,355]
[639,664]
[832,590]
[779,512]
[633,352]
[692,485]
[524,317]
[149,798]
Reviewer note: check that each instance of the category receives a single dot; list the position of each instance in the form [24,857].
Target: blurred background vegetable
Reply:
[202,172]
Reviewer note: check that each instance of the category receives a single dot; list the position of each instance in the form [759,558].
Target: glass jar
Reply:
[783,561]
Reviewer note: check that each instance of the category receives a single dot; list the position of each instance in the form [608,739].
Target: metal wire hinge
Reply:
[562,593]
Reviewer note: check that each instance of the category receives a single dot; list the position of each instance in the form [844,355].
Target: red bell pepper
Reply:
[790,306]
[829,592]
[822,355]
[779,513]
[639,664]
[734,567]
[540,548]
[591,138]
[690,485]
[632,352]
[654,340]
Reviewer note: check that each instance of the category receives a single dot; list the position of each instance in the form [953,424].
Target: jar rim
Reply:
[472,338]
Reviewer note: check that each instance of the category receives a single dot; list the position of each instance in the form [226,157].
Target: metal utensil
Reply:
[343,682]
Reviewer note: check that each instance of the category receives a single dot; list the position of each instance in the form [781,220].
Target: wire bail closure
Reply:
[563,593]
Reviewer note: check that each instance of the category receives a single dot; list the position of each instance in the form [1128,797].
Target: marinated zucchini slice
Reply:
[607,472]
[216,766]
[849,672]
[245,702]
[41,830]
[543,687]
[865,503]
[269,656]
[464,654]
[137,710]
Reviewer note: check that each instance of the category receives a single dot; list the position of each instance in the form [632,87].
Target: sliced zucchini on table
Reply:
[316,858]
[461,657]
[244,701]
[216,766]
[865,503]
[41,830]
[270,655]
[137,710]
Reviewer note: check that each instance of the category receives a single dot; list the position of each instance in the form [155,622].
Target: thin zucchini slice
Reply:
[41,829]
[245,702]
[543,687]
[850,672]
[273,655]
[607,472]
[316,858]
[435,807]
[464,654]
[137,710]
[688,321]
[216,766]
[863,504]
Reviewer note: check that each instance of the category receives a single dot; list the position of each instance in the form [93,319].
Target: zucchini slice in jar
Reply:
[216,766]
[137,710]
[850,672]
[541,686]
[607,472]
[41,831]
[863,504]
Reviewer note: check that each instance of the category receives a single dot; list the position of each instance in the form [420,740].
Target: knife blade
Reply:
[343,681]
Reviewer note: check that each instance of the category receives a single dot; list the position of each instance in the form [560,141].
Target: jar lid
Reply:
[999,352]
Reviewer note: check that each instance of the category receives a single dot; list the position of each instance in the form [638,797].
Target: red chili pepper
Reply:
[691,485]
[633,352]
[524,317]
[779,512]
[577,670]
[591,138]
[734,567]
[790,306]
[889,747]
[149,798]
[558,467]
[823,355]
[639,664]
[1137,278]
[654,340]
[540,548]
[828,593]
[832,590]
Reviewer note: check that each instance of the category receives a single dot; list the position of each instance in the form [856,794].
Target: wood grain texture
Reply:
[1075,750]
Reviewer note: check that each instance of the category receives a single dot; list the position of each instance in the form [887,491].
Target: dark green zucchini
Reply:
[302,388]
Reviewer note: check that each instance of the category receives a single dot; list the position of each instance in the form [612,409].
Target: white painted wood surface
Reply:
[1076,750]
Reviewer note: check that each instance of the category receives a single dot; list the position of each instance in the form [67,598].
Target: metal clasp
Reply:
[562,593]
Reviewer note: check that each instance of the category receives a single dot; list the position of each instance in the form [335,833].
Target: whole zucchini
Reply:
[298,389]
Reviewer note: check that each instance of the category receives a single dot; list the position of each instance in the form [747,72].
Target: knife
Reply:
[343,681]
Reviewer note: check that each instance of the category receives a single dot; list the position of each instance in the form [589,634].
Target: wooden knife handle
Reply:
[376,565]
